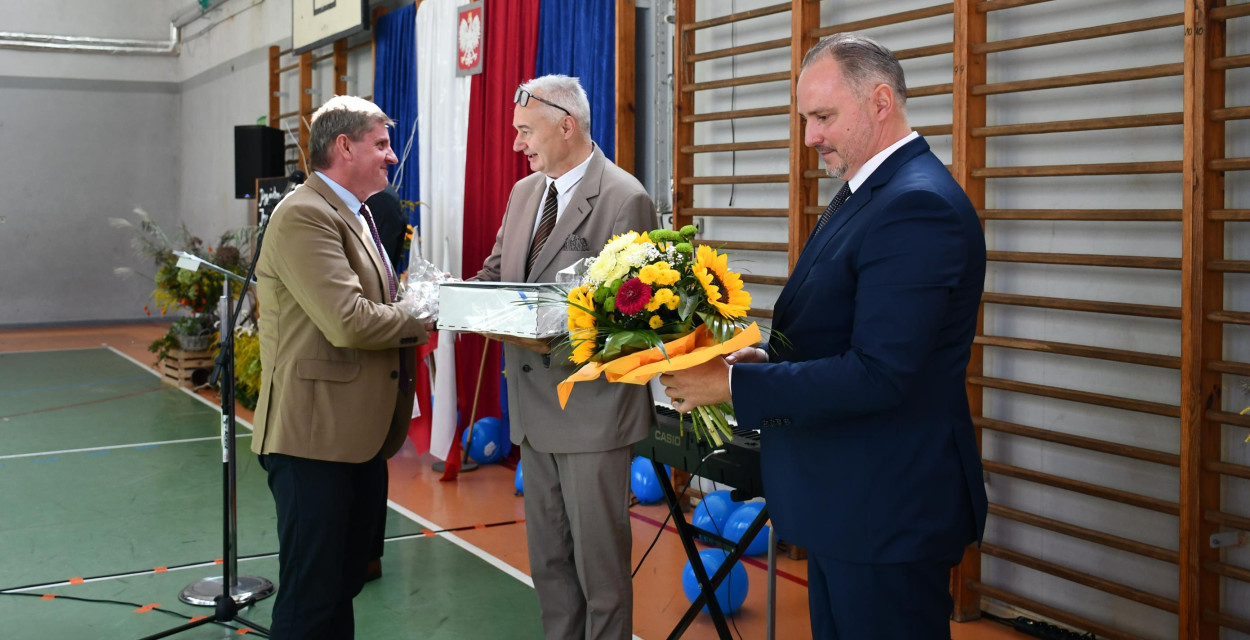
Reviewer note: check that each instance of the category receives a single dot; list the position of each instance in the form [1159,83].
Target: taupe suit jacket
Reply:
[599,416]
[335,383]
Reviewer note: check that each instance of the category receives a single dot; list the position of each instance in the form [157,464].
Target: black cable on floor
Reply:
[1038,628]
[134,605]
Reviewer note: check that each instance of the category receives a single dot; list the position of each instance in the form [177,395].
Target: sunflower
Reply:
[582,322]
[581,309]
[585,349]
[722,286]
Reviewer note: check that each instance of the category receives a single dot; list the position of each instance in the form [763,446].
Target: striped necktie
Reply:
[834,205]
[377,242]
[545,225]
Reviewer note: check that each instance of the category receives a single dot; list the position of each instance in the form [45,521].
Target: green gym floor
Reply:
[113,492]
[111,504]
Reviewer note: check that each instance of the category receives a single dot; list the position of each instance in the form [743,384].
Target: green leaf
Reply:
[628,342]
[686,307]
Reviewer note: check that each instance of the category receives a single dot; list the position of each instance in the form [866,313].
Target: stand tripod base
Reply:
[467,465]
[201,593]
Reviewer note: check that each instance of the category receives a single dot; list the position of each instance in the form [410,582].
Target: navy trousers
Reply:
[906,601]
[330,516]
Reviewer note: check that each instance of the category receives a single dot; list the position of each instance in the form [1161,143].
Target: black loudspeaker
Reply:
[258,153]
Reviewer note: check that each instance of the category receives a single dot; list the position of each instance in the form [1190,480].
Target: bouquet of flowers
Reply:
[651,303]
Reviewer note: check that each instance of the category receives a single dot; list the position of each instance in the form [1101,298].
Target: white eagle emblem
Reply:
[470,39]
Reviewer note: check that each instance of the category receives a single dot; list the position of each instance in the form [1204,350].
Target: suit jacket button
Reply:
[526,368]
[394,375]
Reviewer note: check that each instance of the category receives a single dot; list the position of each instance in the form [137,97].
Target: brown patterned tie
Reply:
[545,225]
[834,205]
[377,242]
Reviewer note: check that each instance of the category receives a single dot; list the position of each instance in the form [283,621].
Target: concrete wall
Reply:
[85,137]
[92,136]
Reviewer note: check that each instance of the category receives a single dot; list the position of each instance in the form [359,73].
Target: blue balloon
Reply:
[489,443]
[644,483]
[712,512]
[732,591]
[518,482]
[738,523]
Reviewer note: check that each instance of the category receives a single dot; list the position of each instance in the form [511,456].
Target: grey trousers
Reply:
[577,524]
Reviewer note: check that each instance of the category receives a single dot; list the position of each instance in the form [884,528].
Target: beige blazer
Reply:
[599,416]
[336,359]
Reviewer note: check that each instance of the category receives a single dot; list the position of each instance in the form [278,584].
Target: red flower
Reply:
[633,296]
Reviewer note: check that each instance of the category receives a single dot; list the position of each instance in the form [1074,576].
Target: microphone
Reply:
[297,177]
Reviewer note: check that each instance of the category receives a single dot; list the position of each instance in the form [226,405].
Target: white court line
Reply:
[185,390]
[463,544]
[467,546]
[238,421]
[118,446]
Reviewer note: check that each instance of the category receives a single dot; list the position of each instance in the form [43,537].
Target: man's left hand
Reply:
[699,386]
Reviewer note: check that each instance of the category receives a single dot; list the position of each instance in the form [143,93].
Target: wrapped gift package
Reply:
[509,308]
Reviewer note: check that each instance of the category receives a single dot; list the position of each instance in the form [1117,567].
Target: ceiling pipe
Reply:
[90,44]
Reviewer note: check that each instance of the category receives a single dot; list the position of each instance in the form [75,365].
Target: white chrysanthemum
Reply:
[638,255]
[619,243]
[601,268]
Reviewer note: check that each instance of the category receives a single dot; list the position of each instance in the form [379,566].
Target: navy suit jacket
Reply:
[868,450]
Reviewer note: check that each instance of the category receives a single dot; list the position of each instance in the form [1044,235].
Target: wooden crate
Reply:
[180,366]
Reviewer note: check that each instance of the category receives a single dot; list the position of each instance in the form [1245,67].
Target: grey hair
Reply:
[864,62]
[566,92]
[341,115]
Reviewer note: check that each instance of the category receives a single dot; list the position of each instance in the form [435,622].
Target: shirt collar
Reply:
[861,176]
[566,182]
[353,203]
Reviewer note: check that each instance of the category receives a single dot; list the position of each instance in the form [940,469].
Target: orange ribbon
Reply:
[690,350]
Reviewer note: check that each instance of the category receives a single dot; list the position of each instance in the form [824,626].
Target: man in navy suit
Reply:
[869,457]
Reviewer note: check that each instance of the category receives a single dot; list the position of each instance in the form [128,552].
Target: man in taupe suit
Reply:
[576,461]
[336,372]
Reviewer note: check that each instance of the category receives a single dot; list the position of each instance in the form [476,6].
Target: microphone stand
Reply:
[230,591]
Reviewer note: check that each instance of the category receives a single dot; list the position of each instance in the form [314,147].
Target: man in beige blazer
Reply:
[336,372]
[575,461]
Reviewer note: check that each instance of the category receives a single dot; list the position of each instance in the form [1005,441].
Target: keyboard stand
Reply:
[707,586]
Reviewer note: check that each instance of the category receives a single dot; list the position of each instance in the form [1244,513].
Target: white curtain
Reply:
[443,123]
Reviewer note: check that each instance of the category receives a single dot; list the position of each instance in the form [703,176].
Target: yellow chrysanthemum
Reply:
[722,286]
[648,274]
[666,274]
[655,322]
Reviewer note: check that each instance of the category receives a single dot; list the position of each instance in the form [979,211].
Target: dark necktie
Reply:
[545,225]
[834,205]
[377,242]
